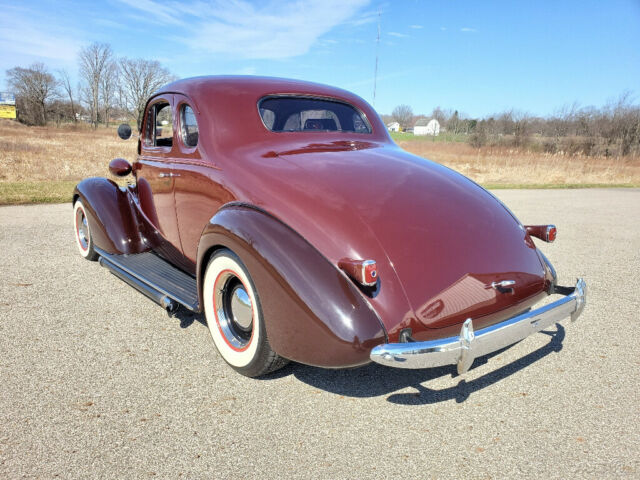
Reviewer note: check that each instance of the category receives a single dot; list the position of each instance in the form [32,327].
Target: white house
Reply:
[393,127]
[431,128]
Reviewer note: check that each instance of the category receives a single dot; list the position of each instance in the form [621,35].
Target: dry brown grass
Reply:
[47,154]
[507,166]
[39,164]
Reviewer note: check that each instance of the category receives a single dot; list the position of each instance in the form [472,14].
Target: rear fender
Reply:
[110,213]
[313,313]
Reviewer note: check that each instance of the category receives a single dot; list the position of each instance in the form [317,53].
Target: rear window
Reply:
[302,114]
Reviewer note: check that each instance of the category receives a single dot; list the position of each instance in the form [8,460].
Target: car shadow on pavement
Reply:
[375,380]
[187,317]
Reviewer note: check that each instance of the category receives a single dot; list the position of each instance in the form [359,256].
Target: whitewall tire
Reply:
[82,232]
[234,316]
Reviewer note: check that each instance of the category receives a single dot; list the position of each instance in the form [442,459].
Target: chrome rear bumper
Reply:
[462,350]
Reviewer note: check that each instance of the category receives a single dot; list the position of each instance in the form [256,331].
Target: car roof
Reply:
[229,108]
[254,86]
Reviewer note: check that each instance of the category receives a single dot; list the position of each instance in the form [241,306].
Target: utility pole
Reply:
[375,74]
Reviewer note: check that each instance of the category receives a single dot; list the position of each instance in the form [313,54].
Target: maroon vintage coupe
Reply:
[283,211]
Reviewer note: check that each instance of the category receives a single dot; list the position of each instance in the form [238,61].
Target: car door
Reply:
[199,192]
[156,177]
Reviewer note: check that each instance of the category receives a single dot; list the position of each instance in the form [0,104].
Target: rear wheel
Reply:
[83,233]
[234,317]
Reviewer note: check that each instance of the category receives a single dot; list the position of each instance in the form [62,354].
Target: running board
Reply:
[154,277]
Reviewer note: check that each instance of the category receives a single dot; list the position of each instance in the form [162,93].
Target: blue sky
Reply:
[477,57]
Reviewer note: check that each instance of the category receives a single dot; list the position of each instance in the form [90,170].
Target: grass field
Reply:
[42,164]
[444,137]
[504,166]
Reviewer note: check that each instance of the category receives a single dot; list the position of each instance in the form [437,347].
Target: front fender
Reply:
[313,313]
[110,214]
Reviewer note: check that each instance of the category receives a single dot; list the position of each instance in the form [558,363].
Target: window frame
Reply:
[323,98]
[150,122]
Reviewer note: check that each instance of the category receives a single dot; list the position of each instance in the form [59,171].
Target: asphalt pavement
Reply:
[96,381]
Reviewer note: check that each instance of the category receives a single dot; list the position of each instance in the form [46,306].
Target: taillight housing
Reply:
[552,232]
[548,233]
[365,272]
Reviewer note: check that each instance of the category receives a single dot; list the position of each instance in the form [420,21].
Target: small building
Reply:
[393,127]
[432,127]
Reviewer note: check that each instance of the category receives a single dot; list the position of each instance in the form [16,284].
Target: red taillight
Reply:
[365,272]
[552,231]
[548,233]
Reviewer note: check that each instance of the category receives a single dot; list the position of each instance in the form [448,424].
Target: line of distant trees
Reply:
[611,130]
[108,87]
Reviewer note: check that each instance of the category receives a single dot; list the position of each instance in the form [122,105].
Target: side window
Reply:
[164,125]
[189,126]
[158,130]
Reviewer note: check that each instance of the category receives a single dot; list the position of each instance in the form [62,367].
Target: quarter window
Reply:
[189,126]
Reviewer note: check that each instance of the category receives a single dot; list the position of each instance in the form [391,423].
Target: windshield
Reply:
[303,114]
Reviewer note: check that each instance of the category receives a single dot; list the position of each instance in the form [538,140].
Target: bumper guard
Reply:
[462,350]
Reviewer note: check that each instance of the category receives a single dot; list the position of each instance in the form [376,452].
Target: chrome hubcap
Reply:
[234,310]
[241,308]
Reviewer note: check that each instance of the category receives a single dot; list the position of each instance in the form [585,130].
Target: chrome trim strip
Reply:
[462,350]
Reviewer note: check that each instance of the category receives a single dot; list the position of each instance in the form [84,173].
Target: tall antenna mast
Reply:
[375,74]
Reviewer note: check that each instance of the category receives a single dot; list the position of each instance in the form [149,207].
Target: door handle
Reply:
[168,174]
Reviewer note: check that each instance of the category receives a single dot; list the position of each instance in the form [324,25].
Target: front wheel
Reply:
[83,233]
[234,317]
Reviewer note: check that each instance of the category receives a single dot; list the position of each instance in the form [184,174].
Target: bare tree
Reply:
[619,125]
[109,83]
[403,114]
[65,81]
[94,61]
[34,86]
[521,128]
[139,78]
[479,136]
[439,115]
[454,123]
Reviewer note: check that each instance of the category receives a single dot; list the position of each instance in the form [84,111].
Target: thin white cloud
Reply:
[398,35]
[267,30]
[364,18]
[25,34]
[160,12]
[443,29]
[417,27]
[468,29]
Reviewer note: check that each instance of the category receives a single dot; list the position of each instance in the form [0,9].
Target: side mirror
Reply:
[124,131]
[119,167]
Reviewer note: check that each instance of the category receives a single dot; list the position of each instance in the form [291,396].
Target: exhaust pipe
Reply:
[170,305]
